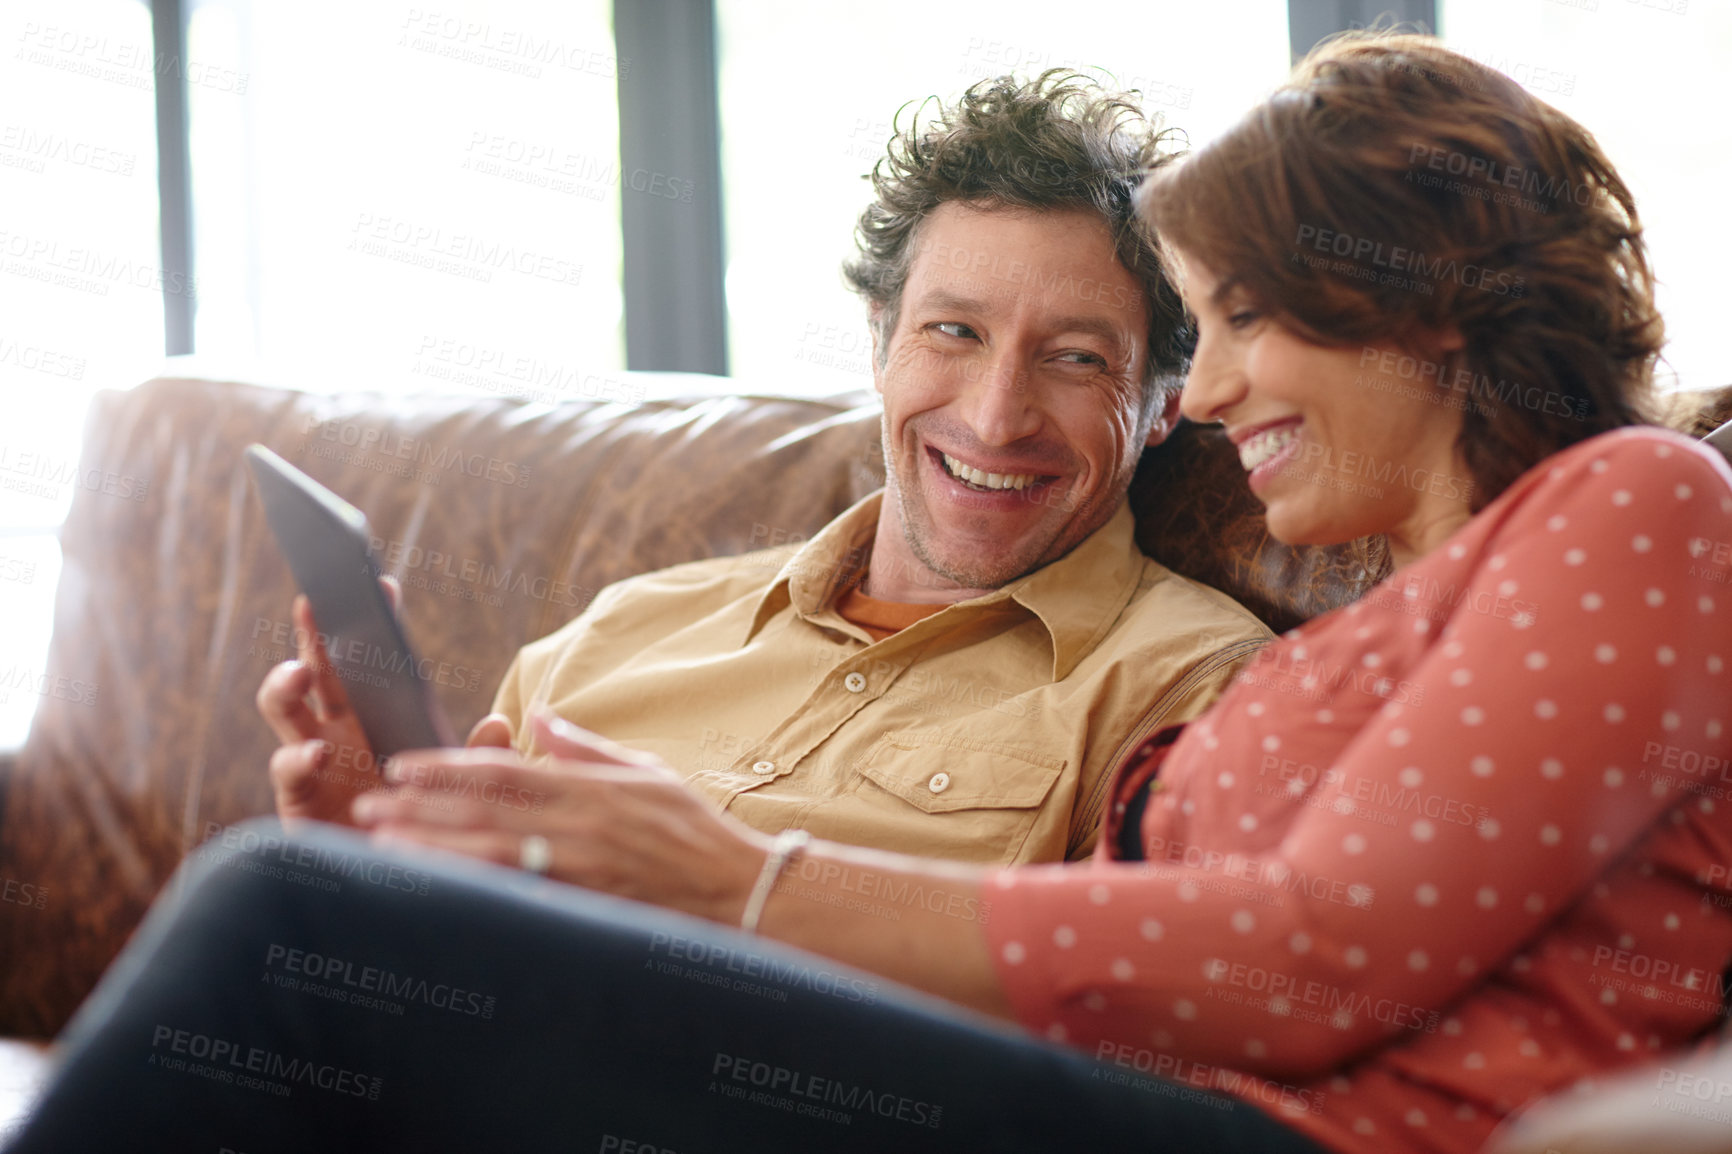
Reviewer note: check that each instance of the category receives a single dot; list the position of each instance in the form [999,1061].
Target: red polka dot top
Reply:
[1461,844]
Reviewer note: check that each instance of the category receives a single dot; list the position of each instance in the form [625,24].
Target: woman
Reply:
[1424,860]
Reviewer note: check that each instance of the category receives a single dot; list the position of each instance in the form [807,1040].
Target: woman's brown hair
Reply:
[1393,188]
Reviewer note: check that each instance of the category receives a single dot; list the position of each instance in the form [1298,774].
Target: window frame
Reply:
[668,123]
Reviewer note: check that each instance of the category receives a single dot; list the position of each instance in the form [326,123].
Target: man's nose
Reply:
[999,403]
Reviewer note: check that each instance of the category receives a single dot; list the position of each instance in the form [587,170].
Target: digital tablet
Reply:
[326,542]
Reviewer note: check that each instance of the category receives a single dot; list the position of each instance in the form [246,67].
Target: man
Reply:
[954,666]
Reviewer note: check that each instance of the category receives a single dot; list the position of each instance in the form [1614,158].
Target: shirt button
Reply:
[939,783]
[855,683]
[764,767]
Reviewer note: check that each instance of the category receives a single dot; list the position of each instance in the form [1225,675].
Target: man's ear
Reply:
[1165,421]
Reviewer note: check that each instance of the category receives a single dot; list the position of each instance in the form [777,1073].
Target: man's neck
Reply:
[894,573]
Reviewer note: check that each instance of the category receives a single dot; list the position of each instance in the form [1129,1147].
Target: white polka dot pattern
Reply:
[1384,798]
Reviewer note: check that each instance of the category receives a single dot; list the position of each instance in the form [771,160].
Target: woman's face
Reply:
[1338,442]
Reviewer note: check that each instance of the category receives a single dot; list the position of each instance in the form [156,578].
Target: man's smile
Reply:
[988,478]
[981,479]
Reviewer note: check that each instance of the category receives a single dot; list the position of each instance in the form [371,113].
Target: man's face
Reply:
[1012,394]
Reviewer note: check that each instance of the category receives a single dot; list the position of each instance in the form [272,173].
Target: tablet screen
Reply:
[325,541]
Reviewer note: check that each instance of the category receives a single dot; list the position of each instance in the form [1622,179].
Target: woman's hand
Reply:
[615,820]
[620,822]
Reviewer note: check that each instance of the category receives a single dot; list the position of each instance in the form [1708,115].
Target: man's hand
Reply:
[615,820]
[324,762]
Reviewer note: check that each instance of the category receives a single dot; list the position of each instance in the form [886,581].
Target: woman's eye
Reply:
[961,331]
[1242,317]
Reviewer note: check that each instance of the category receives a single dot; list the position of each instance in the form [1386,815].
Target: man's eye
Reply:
[961,331]
[1079,357]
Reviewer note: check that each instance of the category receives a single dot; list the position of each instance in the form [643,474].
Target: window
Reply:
[1646,77]
[80,284]
[409,197]
[800,125]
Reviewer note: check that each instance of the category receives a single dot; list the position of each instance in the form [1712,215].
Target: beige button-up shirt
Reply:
[984,733]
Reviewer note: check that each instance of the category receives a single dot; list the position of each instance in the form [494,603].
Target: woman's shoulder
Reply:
[1642,507]
[1631,467]
[1644,449]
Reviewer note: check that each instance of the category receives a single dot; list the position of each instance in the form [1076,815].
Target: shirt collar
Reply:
[1078,597]
[815,576]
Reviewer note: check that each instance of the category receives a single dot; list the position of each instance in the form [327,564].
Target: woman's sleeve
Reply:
[1544,729]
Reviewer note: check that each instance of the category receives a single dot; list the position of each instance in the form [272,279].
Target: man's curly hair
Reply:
[1060,141]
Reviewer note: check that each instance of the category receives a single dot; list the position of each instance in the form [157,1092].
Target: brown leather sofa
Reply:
[501,518]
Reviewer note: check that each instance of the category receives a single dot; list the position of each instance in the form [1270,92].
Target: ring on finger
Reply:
[534,854]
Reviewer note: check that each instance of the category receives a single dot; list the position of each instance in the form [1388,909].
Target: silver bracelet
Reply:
[788,845]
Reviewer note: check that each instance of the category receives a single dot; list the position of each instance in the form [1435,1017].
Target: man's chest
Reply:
[957,745]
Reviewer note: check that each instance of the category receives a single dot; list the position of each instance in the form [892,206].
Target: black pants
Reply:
[309,994]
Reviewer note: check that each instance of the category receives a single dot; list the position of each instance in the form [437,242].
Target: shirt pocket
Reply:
[951,796]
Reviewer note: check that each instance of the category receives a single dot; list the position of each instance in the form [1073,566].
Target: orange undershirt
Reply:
[881,618]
